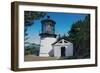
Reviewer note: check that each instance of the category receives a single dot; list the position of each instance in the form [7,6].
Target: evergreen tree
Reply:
[29,18]
[79,35]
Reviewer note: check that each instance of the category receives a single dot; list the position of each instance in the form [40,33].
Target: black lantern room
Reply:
[48,28]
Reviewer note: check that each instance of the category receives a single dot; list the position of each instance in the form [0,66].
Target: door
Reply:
[62,51]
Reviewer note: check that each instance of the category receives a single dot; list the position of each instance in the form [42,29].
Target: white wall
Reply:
[69,50]
[5,49]
[57,51]
[46,46]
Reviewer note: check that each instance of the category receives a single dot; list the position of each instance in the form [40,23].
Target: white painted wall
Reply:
[57,51]
[46,46]
[5,40]
[68,49]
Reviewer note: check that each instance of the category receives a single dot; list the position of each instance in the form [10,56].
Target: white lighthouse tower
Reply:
[48,36]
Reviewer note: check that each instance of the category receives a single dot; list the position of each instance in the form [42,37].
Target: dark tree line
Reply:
[32,49]
[79,35]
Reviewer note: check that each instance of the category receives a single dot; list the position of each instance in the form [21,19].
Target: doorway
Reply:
[63,51]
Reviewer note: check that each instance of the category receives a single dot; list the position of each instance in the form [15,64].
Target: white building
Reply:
[62,48]
[49,46]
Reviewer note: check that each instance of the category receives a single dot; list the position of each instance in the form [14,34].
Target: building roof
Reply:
[61,41]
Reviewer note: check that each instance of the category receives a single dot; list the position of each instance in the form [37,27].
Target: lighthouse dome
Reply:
[48,28]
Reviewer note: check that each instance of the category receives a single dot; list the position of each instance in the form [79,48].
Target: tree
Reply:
[29,18]
[31,49]
[79,35]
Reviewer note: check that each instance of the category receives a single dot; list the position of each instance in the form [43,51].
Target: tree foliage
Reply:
[79,35]
[29,18]
[32,49]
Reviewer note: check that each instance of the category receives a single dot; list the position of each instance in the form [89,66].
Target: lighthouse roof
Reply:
[48,19]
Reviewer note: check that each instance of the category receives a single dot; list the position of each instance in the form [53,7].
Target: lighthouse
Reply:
[47,36]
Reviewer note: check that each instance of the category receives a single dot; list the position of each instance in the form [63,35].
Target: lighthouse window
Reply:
[48,28]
